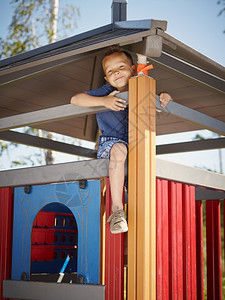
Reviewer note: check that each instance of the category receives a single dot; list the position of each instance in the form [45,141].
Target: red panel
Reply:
[213,238]
[45,219]
[199,250]
[175,241]
[49,236]
[162,239]
[6,223]
[189,243]
[38,236]
[114,258]
[47,252]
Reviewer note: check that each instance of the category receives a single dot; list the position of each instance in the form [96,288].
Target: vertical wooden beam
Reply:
[132,186]
[175,241]
[114,257]
[102,224]
[162,239]
[224,230]
[189,243]
[6,229]
[142,185]
[199,250]
[213,241]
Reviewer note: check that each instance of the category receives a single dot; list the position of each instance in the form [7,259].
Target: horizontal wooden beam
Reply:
[34,141]
[185,174]
[39,142]
[98,168]
[68,111]
[65,172]
[187,114]
[209,144]
[18,289]
[190,115]
[208,194]
[47,115]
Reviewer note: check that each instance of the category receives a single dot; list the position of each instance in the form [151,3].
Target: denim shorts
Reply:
[105,146]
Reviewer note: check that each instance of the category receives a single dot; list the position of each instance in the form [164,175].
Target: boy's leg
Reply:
[118,156]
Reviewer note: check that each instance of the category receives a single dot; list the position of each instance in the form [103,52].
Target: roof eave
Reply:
[141,25]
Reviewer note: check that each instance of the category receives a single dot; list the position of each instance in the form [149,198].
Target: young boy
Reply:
[113,143]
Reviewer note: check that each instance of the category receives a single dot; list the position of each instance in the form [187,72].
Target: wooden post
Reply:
[141,194]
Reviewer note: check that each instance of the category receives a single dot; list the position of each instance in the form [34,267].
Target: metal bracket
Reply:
[27,189]
[24,276]
[82,184]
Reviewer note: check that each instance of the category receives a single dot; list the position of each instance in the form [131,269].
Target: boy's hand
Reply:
[164,99]
[114,103]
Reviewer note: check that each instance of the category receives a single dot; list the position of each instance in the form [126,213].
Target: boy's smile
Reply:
[118,70]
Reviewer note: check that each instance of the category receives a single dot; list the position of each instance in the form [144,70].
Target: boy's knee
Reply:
[119,151]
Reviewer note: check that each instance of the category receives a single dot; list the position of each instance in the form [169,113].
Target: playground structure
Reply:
[165,210]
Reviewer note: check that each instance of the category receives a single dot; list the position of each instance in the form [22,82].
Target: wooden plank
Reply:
[175,241]
[6,229]
[21,289]
[199,250]
[35,141]
[162,240]
[152,189]
[213,238]
[185,174]
[114,257]
[73,171]
[142,260]
[47,115]
[193,116]
[217,143]
[189,242]
[142,211]
[132,180]
[102,233]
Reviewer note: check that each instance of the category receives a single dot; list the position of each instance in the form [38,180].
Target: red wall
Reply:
[6,223]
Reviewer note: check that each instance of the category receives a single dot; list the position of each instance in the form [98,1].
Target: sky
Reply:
[194,22]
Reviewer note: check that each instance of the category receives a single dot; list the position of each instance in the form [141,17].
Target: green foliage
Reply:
[5,147]
[199,137]
[31,25]
[30,160]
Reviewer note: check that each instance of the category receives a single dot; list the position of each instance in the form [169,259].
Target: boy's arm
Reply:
[110,102]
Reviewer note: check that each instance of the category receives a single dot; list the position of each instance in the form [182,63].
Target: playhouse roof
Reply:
[48,76]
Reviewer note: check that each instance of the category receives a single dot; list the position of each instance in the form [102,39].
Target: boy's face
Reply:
[118,70]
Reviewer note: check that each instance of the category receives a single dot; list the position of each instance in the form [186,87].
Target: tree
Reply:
[222,11]
[35,23]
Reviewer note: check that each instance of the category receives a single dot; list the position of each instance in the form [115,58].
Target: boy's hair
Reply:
[115,49]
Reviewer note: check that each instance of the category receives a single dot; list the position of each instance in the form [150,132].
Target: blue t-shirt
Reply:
[111,123]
